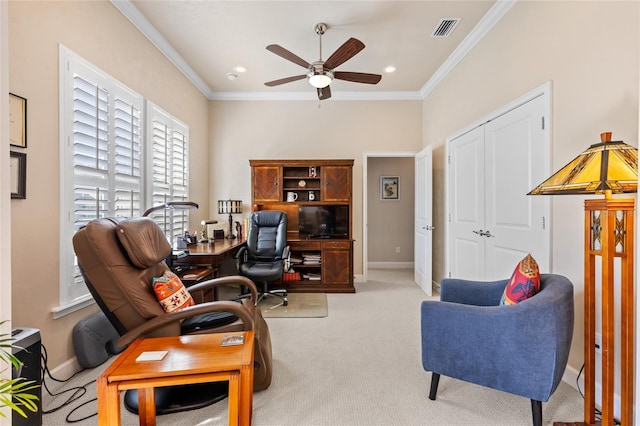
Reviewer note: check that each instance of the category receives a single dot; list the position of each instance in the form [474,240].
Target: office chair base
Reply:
[173,399]
[282,294]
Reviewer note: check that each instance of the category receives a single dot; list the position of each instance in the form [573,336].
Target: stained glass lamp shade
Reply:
[604,166]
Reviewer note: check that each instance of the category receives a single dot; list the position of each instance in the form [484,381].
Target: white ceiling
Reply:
[208,39]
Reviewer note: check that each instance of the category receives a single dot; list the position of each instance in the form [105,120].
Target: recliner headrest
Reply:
[143,241]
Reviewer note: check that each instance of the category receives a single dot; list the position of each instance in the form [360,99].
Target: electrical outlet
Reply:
[598,344]
[397,250]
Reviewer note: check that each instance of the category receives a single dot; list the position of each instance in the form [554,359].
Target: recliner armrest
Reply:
[236,280]
[220,306]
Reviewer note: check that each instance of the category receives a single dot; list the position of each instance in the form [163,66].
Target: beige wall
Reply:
[100,34]
[593,67]
[243,130]
[390,223]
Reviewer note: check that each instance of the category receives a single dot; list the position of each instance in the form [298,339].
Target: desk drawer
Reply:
[305,245]
[336,245]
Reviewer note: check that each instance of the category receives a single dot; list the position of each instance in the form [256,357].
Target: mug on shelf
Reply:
[292,196]
[312,196]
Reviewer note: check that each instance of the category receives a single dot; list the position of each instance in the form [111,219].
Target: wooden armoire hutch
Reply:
[328,259]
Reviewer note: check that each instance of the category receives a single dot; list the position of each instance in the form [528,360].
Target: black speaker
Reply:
[27,350]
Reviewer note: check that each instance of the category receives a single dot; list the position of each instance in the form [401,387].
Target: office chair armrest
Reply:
[241,255]
[203,308]
[235,280]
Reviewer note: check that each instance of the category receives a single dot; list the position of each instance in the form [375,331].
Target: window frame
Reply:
[70,65]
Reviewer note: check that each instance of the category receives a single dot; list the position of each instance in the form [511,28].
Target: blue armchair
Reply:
[521,349]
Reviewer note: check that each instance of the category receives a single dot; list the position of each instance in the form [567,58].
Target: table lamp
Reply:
[230,207]
[605,168]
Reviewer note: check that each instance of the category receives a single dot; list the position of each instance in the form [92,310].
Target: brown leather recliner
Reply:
[118,259]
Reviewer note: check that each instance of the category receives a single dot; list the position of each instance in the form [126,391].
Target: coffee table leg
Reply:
[246,396]
[234,398]
[108,402]
[146,407]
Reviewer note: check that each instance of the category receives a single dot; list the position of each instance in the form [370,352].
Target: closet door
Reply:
[466,205]
[515,162]
[493,223]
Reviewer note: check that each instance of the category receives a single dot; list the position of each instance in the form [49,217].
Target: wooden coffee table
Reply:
[189,359]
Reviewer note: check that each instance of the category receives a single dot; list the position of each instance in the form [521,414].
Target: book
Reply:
[151,356]
[232,340]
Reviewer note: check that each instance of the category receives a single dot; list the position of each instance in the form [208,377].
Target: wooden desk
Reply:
[190,359]
[211,254]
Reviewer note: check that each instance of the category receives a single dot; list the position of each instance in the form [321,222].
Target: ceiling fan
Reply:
[322,73]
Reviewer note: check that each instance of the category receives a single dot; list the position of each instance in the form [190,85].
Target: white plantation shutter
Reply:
[108,168]
[169,171]
[101,159]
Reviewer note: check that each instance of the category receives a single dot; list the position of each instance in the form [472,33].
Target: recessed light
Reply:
[240,69]
[389,69]
[231,76]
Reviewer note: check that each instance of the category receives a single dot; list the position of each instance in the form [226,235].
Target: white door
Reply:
[514,156]
[423,222]
[493,223]
[466,205]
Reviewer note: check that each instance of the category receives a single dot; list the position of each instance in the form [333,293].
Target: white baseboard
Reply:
[66,369]
[390,265]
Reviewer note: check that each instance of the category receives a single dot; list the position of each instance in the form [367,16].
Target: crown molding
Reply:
[149,31]
[487,22]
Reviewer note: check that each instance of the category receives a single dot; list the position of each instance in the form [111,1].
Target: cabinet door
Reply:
[266,184]
[336,182]
[336,266]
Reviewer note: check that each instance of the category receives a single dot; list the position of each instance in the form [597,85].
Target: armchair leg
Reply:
[536,410]
[435,379]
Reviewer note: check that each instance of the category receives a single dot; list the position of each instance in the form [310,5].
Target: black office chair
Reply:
[262,260]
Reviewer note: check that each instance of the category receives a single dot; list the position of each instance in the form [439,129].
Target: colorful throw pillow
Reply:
[171,293]
[524,282]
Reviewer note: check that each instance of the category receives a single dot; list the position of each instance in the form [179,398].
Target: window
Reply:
[103,162]
[168,164]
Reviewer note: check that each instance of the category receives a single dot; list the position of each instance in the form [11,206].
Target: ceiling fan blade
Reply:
[285,80]
[348,50]
[357,77]
[324,93]
[284,53]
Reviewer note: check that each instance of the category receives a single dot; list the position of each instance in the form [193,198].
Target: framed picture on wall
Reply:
[18,171]
[17,121]
[389,187]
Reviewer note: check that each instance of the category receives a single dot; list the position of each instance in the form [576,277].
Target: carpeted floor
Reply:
[358,366]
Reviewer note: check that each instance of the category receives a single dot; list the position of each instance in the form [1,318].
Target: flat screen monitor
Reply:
[323,221]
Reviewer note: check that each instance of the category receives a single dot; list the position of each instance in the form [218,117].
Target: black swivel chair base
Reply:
[173,399]
[281,294]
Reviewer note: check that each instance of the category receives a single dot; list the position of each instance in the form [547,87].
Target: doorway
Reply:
[388,220]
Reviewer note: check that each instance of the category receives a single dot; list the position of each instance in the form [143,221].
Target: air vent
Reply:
[445,27]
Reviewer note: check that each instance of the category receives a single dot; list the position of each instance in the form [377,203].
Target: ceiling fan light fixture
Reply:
[320,81]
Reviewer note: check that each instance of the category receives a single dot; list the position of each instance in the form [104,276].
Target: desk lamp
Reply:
[605,168]
[230,207]
[171,206]
[204,238]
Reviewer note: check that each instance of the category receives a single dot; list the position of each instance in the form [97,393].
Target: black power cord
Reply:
[598,413]
[77,392]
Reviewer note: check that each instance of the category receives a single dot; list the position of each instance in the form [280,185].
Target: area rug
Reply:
[301,305]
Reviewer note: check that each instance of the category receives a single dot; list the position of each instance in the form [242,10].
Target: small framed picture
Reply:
[389,187]
[18,170]
[17,121]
